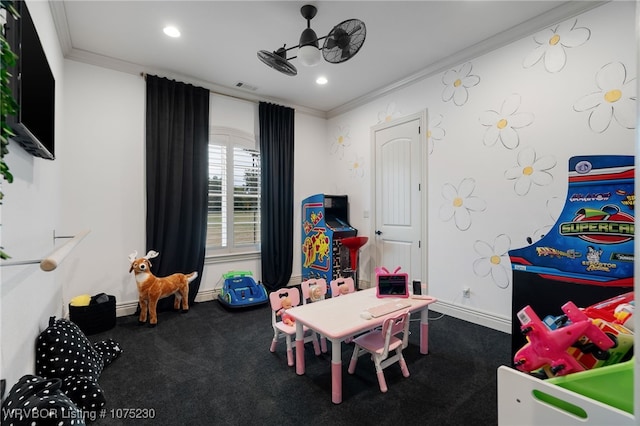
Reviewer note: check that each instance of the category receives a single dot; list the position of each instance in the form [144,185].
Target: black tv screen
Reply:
[33,87]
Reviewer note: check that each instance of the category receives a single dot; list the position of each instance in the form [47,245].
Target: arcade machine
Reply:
[587,256]
[325,221]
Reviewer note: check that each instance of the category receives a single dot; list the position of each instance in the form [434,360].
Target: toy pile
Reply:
[581,339]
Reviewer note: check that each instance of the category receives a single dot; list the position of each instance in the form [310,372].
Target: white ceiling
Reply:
[406,40]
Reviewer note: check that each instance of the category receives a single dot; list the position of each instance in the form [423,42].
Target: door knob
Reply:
[378,232]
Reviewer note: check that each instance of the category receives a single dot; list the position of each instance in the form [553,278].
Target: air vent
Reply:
[246,86]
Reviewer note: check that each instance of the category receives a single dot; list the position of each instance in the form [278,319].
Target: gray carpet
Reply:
[212,366]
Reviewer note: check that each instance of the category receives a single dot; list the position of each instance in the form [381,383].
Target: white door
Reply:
[399,201]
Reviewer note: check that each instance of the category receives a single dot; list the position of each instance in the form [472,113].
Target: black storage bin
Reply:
[96,317]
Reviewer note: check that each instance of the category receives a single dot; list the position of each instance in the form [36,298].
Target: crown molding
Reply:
[564,11]
[518,32]
[90,58]
[59,15]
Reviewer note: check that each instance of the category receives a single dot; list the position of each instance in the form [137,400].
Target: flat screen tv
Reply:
[32,85]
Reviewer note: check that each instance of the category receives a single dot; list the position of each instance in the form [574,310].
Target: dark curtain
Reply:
[177,138]
[276,153]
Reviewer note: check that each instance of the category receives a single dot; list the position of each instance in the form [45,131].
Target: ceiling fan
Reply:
[340,45]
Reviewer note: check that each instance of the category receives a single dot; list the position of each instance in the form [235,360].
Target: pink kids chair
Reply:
[315,290]
[341,286]
[285,327]
[379,343]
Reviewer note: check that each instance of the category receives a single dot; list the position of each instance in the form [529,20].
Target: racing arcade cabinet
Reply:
[587,256]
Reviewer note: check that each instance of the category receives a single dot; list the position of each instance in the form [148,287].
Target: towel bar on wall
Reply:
[56,257]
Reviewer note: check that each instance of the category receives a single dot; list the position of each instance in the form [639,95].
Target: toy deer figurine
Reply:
[152,288]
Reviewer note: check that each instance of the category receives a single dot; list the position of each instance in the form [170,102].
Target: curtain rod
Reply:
[297,108]
[144,75]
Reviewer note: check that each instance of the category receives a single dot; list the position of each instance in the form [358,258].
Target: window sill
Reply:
[212,259]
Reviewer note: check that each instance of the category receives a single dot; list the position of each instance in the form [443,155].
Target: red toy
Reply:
[609,310]
[548,347]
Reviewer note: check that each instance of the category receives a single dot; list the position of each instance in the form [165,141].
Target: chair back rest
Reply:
[313,290]
[341,286]
[276,297]
[394,326]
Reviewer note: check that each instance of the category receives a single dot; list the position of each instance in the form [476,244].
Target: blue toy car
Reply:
[240,290]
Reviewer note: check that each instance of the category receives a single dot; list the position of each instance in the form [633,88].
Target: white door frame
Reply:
[422,116]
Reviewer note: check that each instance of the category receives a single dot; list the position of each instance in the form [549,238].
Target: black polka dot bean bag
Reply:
[64,352]
[37,401]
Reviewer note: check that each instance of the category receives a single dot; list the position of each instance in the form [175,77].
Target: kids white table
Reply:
[338,318]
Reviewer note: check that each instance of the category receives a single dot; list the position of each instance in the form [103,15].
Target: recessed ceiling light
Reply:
[321,80]
[171,31]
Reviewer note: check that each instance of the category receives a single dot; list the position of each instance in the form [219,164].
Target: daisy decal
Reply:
[457,84]
[615,99]
[554,207]
[494,260]
[459,203]
[552,45]
[503,125]
[356,167]
[340,141]
[389,114]
[434,131]
[530,170]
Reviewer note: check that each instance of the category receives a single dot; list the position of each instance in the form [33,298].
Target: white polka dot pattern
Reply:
[64,352]
[37,401]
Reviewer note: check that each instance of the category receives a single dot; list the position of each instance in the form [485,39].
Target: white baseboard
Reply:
[130,308]
[127,308]
[472,315]
[207,295]
[465,313]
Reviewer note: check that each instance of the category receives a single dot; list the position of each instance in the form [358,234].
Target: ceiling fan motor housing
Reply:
[308,38]
[308,11]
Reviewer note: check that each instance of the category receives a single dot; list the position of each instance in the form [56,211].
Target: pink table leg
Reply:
[299,348]
[424,331]
[336,371]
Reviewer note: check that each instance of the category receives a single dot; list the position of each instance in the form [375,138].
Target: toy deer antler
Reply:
[151,254]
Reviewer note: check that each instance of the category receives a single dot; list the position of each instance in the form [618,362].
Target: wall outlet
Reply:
[466,292]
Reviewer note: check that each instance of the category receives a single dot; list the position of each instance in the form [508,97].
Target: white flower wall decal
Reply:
[530,170]
[615,99]
[459,203]
[552,45]
[389,114]
[356,167]
[503,125]
[434,131]
[457,84]
[554,207]
[340,141]
[494,260]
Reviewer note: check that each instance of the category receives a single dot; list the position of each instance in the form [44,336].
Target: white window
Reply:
[234,192]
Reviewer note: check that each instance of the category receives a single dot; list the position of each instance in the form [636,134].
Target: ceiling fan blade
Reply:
[278,61]
[355,29]
[331,43]
[339,38]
